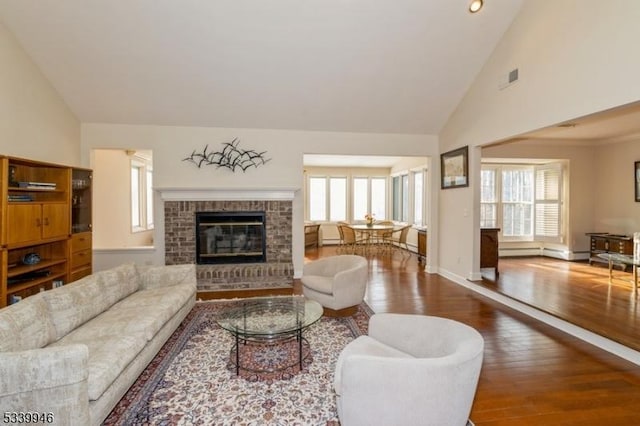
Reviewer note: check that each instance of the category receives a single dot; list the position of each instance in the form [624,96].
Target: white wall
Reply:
[111,202]
[573,59]
[286,149]
[35,122]
[615,209]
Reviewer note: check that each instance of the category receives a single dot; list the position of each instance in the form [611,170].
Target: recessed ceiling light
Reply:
[475,6]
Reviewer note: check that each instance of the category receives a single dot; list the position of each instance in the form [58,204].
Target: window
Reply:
[369,196]
[360,198]
[327,198]
[379,197]
[523,200]
[141,194]
[488,199]
[548,203]
[397,198]
[317,198]
[418,191]
[517,203]
[337,199]
[408,197]
[404,216]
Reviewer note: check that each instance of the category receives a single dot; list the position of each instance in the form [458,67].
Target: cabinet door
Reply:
[24,223]
[55,220]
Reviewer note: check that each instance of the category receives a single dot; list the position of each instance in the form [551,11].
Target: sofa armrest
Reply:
[47,380]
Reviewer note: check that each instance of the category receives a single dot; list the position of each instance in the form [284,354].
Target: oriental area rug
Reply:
[193,382]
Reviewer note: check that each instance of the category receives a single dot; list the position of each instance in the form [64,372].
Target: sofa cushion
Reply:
[318,283]
[364,345]
[75,303]
[148,310]
[26,325]
[119,282]
[109,355]
[162,276]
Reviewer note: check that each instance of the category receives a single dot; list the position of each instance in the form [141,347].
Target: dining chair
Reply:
[382,236]
[341,246]
[352,244]
[398,239]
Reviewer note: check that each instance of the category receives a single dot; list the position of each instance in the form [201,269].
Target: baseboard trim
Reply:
[597,340]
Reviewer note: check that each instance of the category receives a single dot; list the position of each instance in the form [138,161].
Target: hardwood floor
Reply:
[532,374]
[574,291]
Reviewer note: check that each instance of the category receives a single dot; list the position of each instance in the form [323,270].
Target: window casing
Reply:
[141,194]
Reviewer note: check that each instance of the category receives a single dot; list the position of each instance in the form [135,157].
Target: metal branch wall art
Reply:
[230,157]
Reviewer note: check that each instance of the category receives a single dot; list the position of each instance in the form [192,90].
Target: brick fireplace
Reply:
[180,208]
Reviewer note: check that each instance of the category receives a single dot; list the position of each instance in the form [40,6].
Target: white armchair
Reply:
[338,283]
[409,370]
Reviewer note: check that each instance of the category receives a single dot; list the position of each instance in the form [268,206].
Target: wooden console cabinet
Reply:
[422,246]
[35,223]
[311,235]
[609,243]
[489,248]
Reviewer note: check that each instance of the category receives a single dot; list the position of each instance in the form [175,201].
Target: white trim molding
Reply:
[226,194]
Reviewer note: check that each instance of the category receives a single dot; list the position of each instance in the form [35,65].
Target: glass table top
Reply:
[620,258]
[266,317]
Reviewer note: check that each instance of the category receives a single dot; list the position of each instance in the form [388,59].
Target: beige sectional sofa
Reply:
[75,350]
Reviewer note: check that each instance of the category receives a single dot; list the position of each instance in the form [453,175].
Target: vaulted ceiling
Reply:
[377,66]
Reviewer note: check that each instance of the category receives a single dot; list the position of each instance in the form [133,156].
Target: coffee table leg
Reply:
[237,354]
[300,348]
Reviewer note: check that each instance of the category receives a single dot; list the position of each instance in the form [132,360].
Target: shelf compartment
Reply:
[25,269]
[16,288]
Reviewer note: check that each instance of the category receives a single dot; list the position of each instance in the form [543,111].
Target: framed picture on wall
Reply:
[454,168]
[637,180]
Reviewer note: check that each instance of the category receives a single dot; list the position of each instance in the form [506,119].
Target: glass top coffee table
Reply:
[622,259]
[269,320]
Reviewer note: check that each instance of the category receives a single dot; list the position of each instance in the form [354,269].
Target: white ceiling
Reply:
[615,125]
[393,66]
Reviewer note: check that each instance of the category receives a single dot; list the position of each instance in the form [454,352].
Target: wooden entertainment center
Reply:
[45,232]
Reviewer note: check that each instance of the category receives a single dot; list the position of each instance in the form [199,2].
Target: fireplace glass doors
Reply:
[230,237]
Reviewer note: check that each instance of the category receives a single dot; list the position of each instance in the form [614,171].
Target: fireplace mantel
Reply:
[227,194]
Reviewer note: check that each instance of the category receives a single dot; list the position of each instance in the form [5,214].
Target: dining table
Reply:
[370,234]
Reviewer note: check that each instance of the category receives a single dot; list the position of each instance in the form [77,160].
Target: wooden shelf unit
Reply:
[38,219]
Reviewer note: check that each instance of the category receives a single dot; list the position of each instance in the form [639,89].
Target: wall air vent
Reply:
[508,79]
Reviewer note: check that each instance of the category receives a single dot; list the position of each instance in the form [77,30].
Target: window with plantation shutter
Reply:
[524,200]
[548,203]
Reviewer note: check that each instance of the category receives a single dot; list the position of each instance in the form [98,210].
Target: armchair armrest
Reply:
[419,389]
[47,380]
